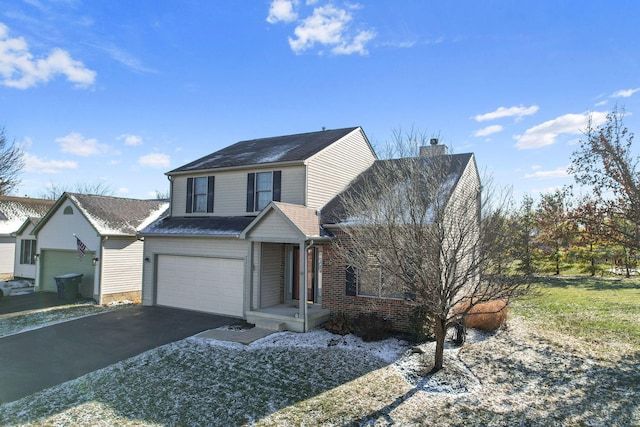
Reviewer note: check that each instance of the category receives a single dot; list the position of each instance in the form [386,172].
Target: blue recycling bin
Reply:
[67,285]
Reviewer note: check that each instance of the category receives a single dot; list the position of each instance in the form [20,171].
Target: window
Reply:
[28,251]
[200,192]
[372,282]
[262,188]
[68,211]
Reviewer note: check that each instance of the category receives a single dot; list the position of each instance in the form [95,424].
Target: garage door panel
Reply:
[213,285]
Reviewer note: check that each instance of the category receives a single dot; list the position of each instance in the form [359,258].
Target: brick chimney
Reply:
[433,149]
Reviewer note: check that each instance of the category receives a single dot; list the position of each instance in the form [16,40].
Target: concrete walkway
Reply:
[243,336]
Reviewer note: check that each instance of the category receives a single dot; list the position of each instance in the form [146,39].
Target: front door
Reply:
[312,256]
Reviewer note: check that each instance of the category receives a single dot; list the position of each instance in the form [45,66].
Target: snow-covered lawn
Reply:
[516,377]
[49,316]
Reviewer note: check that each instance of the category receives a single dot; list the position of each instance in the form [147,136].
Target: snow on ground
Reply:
[520,376]
[16,287]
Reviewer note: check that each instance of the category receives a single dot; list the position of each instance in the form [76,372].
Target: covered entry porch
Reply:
[285,247]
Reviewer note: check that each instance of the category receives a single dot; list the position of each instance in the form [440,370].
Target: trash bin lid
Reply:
[68,276]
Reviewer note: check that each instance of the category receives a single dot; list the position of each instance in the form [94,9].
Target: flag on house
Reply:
[81,248]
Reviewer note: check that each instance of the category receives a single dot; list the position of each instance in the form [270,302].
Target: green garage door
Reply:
[57,262]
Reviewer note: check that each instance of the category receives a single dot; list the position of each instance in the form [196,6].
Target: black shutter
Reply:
[210,193]
[251,178]
[189,195]
[350,279]
[277,180]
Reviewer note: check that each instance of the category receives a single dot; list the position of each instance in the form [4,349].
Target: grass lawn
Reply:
[569,356]
[602,312]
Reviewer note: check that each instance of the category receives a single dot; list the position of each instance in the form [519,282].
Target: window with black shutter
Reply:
[200,194]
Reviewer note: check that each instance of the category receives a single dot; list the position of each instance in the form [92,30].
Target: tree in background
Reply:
[99,188]
[523,224]
[11,163]
[554,226]
[415,233]
[605,162]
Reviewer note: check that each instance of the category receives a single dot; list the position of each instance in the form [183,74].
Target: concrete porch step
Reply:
[269,324]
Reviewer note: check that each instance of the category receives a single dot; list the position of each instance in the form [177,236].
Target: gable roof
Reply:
[303,219]
[31,220]
[287,148]
[111,216]
[15,210]
[333,212]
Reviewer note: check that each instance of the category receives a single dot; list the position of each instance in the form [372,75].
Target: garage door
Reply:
[213,285]
[57,262]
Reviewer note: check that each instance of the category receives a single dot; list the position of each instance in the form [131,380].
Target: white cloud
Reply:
[19,69]
[489,130]
[517,112]
[330,26]
[546,133]
[550,174]
[77,144]
[625,93]
[601,103]
[124,58]
[282,10]
[36,165]
[122,190]
[155,160]
[130,139]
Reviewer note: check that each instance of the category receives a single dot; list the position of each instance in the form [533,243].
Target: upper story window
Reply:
[200,193]
[68,211]
[262,188]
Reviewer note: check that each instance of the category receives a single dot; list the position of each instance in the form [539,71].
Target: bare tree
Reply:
[605,162]
[99,188]
[11,163]
[418,227]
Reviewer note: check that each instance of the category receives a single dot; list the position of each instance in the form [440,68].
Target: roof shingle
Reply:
[267,150]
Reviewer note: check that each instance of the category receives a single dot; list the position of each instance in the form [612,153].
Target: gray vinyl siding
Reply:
[274,228]
[231,190]
[270,275]
[194,246]
[121,265]
[329,171]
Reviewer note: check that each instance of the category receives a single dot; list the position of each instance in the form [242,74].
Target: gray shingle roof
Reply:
[199,226]
[333,211]
[115,215]
[15,210]
[267,150]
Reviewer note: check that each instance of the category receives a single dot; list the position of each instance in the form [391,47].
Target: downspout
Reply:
[305,295]
[170,195]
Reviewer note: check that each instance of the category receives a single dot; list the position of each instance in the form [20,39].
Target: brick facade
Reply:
[335,298]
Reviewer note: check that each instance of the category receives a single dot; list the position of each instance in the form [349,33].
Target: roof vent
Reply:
[433,141]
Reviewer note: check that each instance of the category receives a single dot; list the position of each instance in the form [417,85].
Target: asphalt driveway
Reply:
[28,302]
[39,359]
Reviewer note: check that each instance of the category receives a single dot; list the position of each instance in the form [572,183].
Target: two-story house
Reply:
[244,235]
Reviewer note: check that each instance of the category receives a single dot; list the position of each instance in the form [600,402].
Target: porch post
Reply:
[303,285]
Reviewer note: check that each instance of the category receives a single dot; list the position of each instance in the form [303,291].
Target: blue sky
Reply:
[121,92]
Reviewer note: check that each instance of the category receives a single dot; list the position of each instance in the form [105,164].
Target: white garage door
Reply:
[213,285]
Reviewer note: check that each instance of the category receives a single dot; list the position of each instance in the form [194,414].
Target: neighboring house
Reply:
[26,250]
[14,211]
[95,236]
[244,235]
